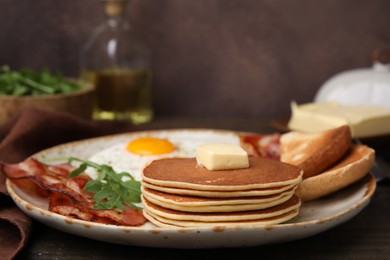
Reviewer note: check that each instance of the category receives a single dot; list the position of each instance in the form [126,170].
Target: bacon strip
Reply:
[266,145]
[66,195]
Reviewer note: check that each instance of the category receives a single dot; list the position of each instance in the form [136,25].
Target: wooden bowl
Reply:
[78,103]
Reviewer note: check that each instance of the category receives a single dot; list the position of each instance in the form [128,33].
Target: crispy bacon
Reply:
[262,145]
[66,195]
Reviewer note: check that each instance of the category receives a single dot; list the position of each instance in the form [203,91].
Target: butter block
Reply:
[222,156]
[364,120]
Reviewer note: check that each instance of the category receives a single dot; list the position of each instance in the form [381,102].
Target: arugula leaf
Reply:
[27,82]
[110,191]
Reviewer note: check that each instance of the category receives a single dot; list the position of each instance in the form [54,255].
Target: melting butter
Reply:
[222,156]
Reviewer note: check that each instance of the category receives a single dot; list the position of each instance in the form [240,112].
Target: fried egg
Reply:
[150,146]
[143,147]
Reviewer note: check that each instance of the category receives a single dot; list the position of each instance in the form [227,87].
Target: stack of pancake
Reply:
[176,192]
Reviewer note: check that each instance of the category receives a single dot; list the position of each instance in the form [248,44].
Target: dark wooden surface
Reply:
[366,236]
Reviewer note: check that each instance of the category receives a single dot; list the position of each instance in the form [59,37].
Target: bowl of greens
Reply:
[26,88]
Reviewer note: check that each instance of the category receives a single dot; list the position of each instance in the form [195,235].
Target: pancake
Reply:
[292,204]
[218,208]
[170,223]
[176,192]
[195,201]
[220,194]
[185,174]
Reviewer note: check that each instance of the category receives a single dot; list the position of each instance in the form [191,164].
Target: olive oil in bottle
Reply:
[118,63]
[122,94]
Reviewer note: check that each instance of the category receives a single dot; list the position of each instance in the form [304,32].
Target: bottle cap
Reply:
[114,7]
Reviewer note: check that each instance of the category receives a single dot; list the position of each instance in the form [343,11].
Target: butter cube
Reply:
[364,120]
[222,156]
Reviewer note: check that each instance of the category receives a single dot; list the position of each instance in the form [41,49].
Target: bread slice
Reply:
[314,152]
[352,167]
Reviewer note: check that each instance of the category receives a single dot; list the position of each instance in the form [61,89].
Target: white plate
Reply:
[314,217]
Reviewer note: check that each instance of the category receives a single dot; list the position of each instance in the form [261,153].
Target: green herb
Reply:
[27,82]
[110,191]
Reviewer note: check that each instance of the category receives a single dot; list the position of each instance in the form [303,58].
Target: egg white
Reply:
[185,141]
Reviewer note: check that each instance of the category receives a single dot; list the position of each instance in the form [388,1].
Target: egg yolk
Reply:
[150,146]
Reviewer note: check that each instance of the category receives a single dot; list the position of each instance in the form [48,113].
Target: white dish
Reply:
[365,86]
[314,217]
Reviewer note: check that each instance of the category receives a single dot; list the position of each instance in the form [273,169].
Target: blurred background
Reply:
[224,58]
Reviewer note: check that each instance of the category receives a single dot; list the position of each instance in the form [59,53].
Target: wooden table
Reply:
[366,236]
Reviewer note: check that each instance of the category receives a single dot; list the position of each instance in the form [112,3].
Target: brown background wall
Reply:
[212,57]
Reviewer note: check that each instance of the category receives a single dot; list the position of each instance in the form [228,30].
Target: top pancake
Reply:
[185,173]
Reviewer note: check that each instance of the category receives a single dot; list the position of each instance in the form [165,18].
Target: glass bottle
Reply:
[118,63]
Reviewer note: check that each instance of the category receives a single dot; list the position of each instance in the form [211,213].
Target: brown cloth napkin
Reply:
[29,132]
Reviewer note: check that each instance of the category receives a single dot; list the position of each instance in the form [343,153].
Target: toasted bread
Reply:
[314,152]
[352,167]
